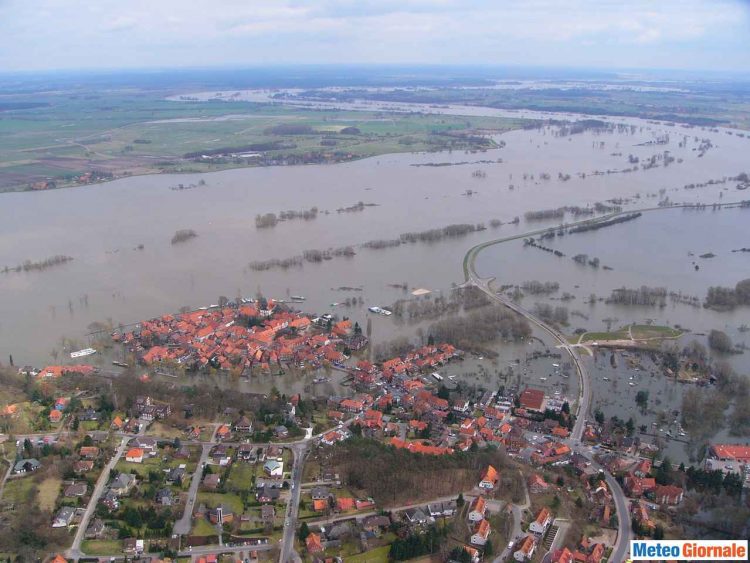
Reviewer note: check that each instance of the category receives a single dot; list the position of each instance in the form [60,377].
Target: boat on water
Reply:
[605,378]
[631,384]
[119,364]
[82,353]
[542,379]
[321,380]
[298,298]
[437,376]
[555,365]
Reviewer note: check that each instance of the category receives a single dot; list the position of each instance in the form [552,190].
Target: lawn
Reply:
[161,430]
[377,555]
[47,494]
[241,477]
[649,331]
[19,490]
[101,547]
[203,527]
[215,499]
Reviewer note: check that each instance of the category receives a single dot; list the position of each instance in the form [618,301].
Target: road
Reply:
[292,509]
[183,525]
[624,532]
[75,549]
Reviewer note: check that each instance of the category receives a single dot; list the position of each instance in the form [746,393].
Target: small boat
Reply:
[119,364]
[542,379]
[631,384]
[555,365]
[605,378]
[298,298]
[82,353]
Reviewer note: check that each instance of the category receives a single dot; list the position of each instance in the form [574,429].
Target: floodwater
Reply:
[101,227]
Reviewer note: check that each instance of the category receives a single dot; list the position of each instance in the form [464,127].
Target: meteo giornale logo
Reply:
[694,550]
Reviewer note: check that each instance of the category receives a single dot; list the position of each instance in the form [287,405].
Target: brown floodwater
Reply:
[101,227]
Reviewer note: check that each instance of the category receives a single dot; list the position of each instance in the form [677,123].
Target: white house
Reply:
[481,533]
[525,549]
[274,468]
[477,510]
[541,522]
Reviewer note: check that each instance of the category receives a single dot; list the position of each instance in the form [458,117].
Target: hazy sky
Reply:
[683,34]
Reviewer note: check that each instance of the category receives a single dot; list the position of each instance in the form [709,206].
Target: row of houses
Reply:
[238,337]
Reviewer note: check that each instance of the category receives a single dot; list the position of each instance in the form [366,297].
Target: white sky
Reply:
[71,34]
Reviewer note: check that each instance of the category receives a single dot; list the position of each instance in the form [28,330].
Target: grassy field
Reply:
[639,332]
[49,490]
[101,547]
[203,527]
[215,499]
[145,133]
[377,555]
[19,490]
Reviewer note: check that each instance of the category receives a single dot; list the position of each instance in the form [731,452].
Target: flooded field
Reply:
[125,269]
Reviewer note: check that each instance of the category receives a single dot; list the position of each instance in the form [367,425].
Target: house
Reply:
[562,556]
[211,481]
[268,495]
[64,517]
[88,452]
[55,416]
[320,493]
[668,494]
[75,490]
[267,513]
[439,509]
[164,497]
[221,515]
[243,425]
[26,465]
[638,486]
[537,484]
[376,523]
[281,432]
[274,468]
[122,484]
[176,475]
[58,559]
[730,458]
[532,399]
[481,533]
[526,549]
[96,529]
[477,509]
[345,503]
[132,546]
[417,516]
[490,478]
[541,522]
[147,444]
[362,504]
[134,455]
[223,432]
[313,543]
[80,467]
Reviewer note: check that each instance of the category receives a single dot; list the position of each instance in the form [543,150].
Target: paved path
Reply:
[75,549]
[183,525]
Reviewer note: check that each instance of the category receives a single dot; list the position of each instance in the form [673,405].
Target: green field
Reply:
[140,133]
[101,547]
[377,555]
[639,332]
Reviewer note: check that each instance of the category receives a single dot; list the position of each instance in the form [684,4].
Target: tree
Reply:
[488,549]
[630,426]
[304,531]
[719,341]
[641,399]
[658,532]
[599,416]
[460,500]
